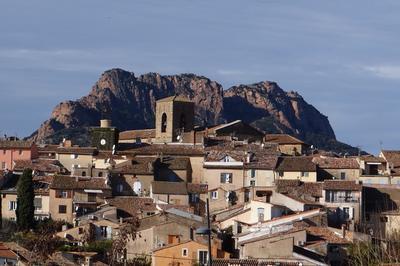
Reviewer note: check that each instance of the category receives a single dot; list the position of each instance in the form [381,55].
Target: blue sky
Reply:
[342,56]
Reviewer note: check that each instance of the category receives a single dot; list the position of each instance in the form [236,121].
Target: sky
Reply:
[342,56]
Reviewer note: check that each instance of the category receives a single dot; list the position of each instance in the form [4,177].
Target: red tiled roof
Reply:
[141,133]
[336,163]
[326,235]
[165,149]
[76,150]
[282,139]
[15,144]
[132,205]
[41,165]
[71,182]
[300,163]
[6,253]
[342,185]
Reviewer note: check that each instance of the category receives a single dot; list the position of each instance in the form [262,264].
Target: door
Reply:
[203,257]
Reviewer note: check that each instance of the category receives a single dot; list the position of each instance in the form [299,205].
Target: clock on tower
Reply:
[105,136]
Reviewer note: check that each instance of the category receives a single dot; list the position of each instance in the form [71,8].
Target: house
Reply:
[252,212]
[374,170]
[343,200]
[236,130]
[301,168]
[41,200]
[169,192]
[94,230]
[72,196]
[287,144]
[169,227]
[13,150]
[337,168]
[186,253]
[137,136]
[393,161]
[134,177]
[75,157]
[7,256]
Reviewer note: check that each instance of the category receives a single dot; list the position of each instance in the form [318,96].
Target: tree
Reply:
[25,198]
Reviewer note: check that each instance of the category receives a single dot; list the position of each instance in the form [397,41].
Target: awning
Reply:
[93,191]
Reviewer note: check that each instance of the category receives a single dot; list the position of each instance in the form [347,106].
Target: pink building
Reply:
[12,150]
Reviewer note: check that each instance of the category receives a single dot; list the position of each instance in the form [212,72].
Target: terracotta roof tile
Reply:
[172,188]
[342,185]
[282,139]
[300,163]
[41,165]
[71,182]
[323,233]
[133,205]
[336,163]
[165,149]
[141,133]
[302,190]
[16,144]
[7,253]
[77,150]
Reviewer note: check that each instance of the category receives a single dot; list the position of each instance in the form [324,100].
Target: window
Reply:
[62,209]
[227,159]
[3,165]
[194,198]
[226,178]
[20,152]
[164,122]
[12,205]
[83,173]
[342,175]
[120,188]
[63,194]
[203,257]
[252,183]
[214,195]
[260,213]
[80,230]
[247,196]
[280,173]
[185,252]
[384,219]
[4,151]
[305,174]
[316,199]
[346,212]
[100,174]
[37,202]
[253,173]
[103,230]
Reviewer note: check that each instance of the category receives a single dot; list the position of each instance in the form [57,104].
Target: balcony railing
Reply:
[345,200]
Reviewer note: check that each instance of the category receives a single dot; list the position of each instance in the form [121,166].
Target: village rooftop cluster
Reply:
[272,198]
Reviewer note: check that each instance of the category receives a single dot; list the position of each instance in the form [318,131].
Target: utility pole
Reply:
[209,234]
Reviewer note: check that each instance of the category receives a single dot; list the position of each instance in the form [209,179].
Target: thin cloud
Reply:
[384,71]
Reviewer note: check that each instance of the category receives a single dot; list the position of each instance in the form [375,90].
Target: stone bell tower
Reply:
[174,115]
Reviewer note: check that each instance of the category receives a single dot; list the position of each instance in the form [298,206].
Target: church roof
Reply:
[175,98]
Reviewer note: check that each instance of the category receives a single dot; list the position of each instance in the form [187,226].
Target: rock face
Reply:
[130,101]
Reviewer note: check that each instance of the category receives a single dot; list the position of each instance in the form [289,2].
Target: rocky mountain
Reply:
[130,101]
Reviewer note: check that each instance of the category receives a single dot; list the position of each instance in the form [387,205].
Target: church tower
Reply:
[174,115]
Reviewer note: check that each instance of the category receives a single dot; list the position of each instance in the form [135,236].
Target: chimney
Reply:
[248,157]
[105,123]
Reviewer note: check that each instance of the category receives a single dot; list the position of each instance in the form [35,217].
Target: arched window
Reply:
[100,174]
[164,122]
[83,173]
[182,122]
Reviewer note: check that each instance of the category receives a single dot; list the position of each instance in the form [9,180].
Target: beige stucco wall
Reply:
[379,180]
[351,174]
[294,205]
[172,199]
[55,202]
[5,212]
[67,161]
[312,176]
[155,237]
[289,149]
[281,246]
[263,178]
[197,168]
[213,178]
[45,210]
